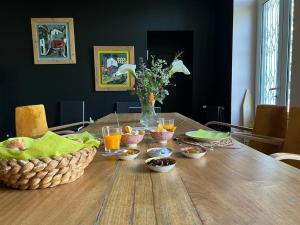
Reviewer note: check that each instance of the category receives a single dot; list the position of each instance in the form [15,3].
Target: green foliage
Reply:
[154,79]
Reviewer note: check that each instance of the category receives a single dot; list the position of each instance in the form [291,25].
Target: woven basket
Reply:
[45,172]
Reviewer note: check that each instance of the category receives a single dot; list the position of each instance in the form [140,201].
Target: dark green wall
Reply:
[110,23]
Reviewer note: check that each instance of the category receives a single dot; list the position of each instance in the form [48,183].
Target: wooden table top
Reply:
[227,186]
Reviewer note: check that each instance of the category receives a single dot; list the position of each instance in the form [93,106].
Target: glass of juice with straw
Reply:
[112,138]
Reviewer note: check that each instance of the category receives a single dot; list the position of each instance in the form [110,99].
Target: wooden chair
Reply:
[268,132]
[31,122]
[291,146]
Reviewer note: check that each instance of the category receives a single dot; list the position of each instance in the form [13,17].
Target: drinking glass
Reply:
[166,123]
[112,138]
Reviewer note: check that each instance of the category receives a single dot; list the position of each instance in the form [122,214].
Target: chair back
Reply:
[270,120]
[30,121]
[292,139]
[124,107]
[131,107]
[213,113]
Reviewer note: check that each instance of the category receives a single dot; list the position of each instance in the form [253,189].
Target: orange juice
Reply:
[168,126]
[165,126]
[112,141]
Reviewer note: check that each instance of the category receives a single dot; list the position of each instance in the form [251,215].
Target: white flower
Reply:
[126,68]
[179,67]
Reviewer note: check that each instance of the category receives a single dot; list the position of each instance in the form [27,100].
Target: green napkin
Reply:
[86,137]
[49,145]
[208,134]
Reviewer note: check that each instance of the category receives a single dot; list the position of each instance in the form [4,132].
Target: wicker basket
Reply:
[45,172]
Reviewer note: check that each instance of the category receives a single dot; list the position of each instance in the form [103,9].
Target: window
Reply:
[274,51]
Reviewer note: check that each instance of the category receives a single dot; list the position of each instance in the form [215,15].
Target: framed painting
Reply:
[107,61]
[53,40]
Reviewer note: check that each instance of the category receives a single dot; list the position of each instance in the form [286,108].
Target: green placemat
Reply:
[208,134]
[49,145]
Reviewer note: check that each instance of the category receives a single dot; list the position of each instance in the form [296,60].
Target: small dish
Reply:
[160,164]
[159,152]
[128,154]
[193,152]
[162,137]
[132,141]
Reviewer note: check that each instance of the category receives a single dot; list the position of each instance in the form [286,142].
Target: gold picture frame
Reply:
[107,60]
[53,40]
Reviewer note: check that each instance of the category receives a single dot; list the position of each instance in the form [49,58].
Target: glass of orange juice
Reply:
[112,138]
[166,123]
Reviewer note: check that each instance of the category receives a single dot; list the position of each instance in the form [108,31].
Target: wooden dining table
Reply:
[227,186]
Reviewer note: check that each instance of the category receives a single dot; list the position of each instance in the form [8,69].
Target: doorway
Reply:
[164,45]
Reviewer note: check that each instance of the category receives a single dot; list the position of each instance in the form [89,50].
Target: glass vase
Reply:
[148,116]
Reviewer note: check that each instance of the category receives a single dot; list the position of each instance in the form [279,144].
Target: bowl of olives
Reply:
[161,164]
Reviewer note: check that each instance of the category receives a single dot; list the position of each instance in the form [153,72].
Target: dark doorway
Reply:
[164,44]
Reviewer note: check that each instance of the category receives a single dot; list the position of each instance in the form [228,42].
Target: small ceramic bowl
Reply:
[193,152]
[131,141]
[128,154]
[162,137]
[157,164]
[159,152]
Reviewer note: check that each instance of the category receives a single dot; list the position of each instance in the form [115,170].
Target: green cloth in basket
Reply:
[49,145]
[208,134]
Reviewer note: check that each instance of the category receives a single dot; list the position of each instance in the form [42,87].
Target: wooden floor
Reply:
[227,186]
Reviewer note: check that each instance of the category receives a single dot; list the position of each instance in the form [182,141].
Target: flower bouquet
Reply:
[151,83]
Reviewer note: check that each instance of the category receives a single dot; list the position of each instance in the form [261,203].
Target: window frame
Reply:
[283,52]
